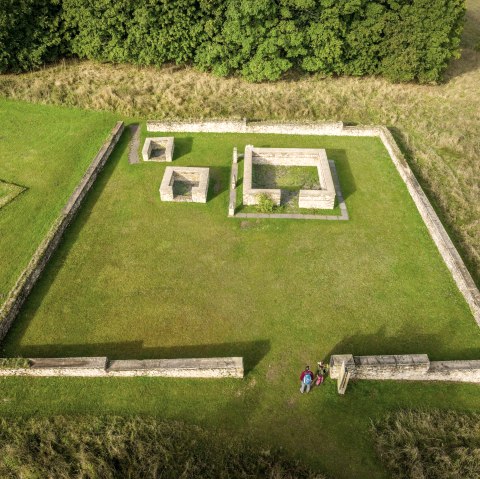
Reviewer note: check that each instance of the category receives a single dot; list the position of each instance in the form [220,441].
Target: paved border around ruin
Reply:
[297,216]
[29,276]
[405,367]
[437,231]
[133,157]
[228,367]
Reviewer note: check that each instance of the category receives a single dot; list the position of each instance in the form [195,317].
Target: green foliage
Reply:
[110,447]
[404,40]
[429,445]
[31,33]
[265,203]
[14,363]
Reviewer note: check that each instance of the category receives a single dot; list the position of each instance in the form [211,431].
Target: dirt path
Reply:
[134,144]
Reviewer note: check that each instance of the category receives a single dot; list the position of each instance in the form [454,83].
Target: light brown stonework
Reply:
[324,198]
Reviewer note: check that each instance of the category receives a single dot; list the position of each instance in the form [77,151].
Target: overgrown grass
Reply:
[46,150]
[429,444]
[116,447]
[437,126]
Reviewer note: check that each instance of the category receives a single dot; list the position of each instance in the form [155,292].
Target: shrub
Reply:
[14,363]
[404,40]
[429,445]
[265,203]
[31,34]
[114,447]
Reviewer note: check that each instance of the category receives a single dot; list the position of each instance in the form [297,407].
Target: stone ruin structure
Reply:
[158,149]
[323,198]
[185,183]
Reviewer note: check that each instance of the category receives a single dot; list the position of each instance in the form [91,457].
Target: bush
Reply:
[31,34]
[14,363]
[403,40]
[114,447]
[265,203]
[429,445]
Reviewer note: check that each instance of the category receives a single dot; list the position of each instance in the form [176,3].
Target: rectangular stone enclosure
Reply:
[158,149]
[185,183]
[323,198]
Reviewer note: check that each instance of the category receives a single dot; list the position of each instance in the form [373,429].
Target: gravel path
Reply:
[134,144]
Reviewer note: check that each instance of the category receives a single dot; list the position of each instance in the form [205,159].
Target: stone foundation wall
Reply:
[43,253]
[438,233]
[229,367]
[317,199]
[408,367]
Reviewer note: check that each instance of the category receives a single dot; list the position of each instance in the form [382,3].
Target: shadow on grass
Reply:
[402,143]
[345,176]
[409,341]
[219,181]
[183,146]
[251,351]
[47,278]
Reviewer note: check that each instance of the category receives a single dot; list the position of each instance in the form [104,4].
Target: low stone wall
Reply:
[43,253]
[447,249]
[407,367]
[230,367]
[243,126]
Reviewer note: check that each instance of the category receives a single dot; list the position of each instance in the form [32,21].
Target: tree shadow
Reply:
[183,146]
[251,351]
[345,176]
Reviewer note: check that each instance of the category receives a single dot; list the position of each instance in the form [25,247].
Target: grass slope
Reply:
[46,150]
[436,125]
[429,445]
[135,277]
[113,447]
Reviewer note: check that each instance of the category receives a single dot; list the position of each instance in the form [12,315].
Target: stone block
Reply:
[324,198]
[185,184]
[158,149]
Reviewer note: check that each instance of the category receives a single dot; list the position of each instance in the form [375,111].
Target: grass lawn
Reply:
[437,125]
[138,278]
[44,150]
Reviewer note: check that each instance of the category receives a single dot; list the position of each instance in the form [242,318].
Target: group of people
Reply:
[308,379]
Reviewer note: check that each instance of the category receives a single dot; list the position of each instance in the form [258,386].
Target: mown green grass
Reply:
[135,277]
[8,192]
[45,150]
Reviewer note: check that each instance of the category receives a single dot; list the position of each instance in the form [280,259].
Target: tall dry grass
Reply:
[437,126]
[429,445]
[86,447]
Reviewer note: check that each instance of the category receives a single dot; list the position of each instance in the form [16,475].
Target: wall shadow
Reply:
[49,274]
[219,181]
[251,351]
[407,341]
[402,143]
[345,176]
[183,146]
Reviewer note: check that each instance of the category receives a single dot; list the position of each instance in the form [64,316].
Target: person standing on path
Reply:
[306,379]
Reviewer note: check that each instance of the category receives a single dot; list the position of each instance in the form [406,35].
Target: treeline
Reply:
[403,40]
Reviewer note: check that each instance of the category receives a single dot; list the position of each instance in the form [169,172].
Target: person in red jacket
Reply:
[306,379]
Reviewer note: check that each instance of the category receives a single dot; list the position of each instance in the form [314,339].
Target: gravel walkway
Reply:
[134,144]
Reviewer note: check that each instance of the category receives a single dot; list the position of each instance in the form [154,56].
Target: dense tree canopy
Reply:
[404,40]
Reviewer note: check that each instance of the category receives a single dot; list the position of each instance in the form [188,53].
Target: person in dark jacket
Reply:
[306,379]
